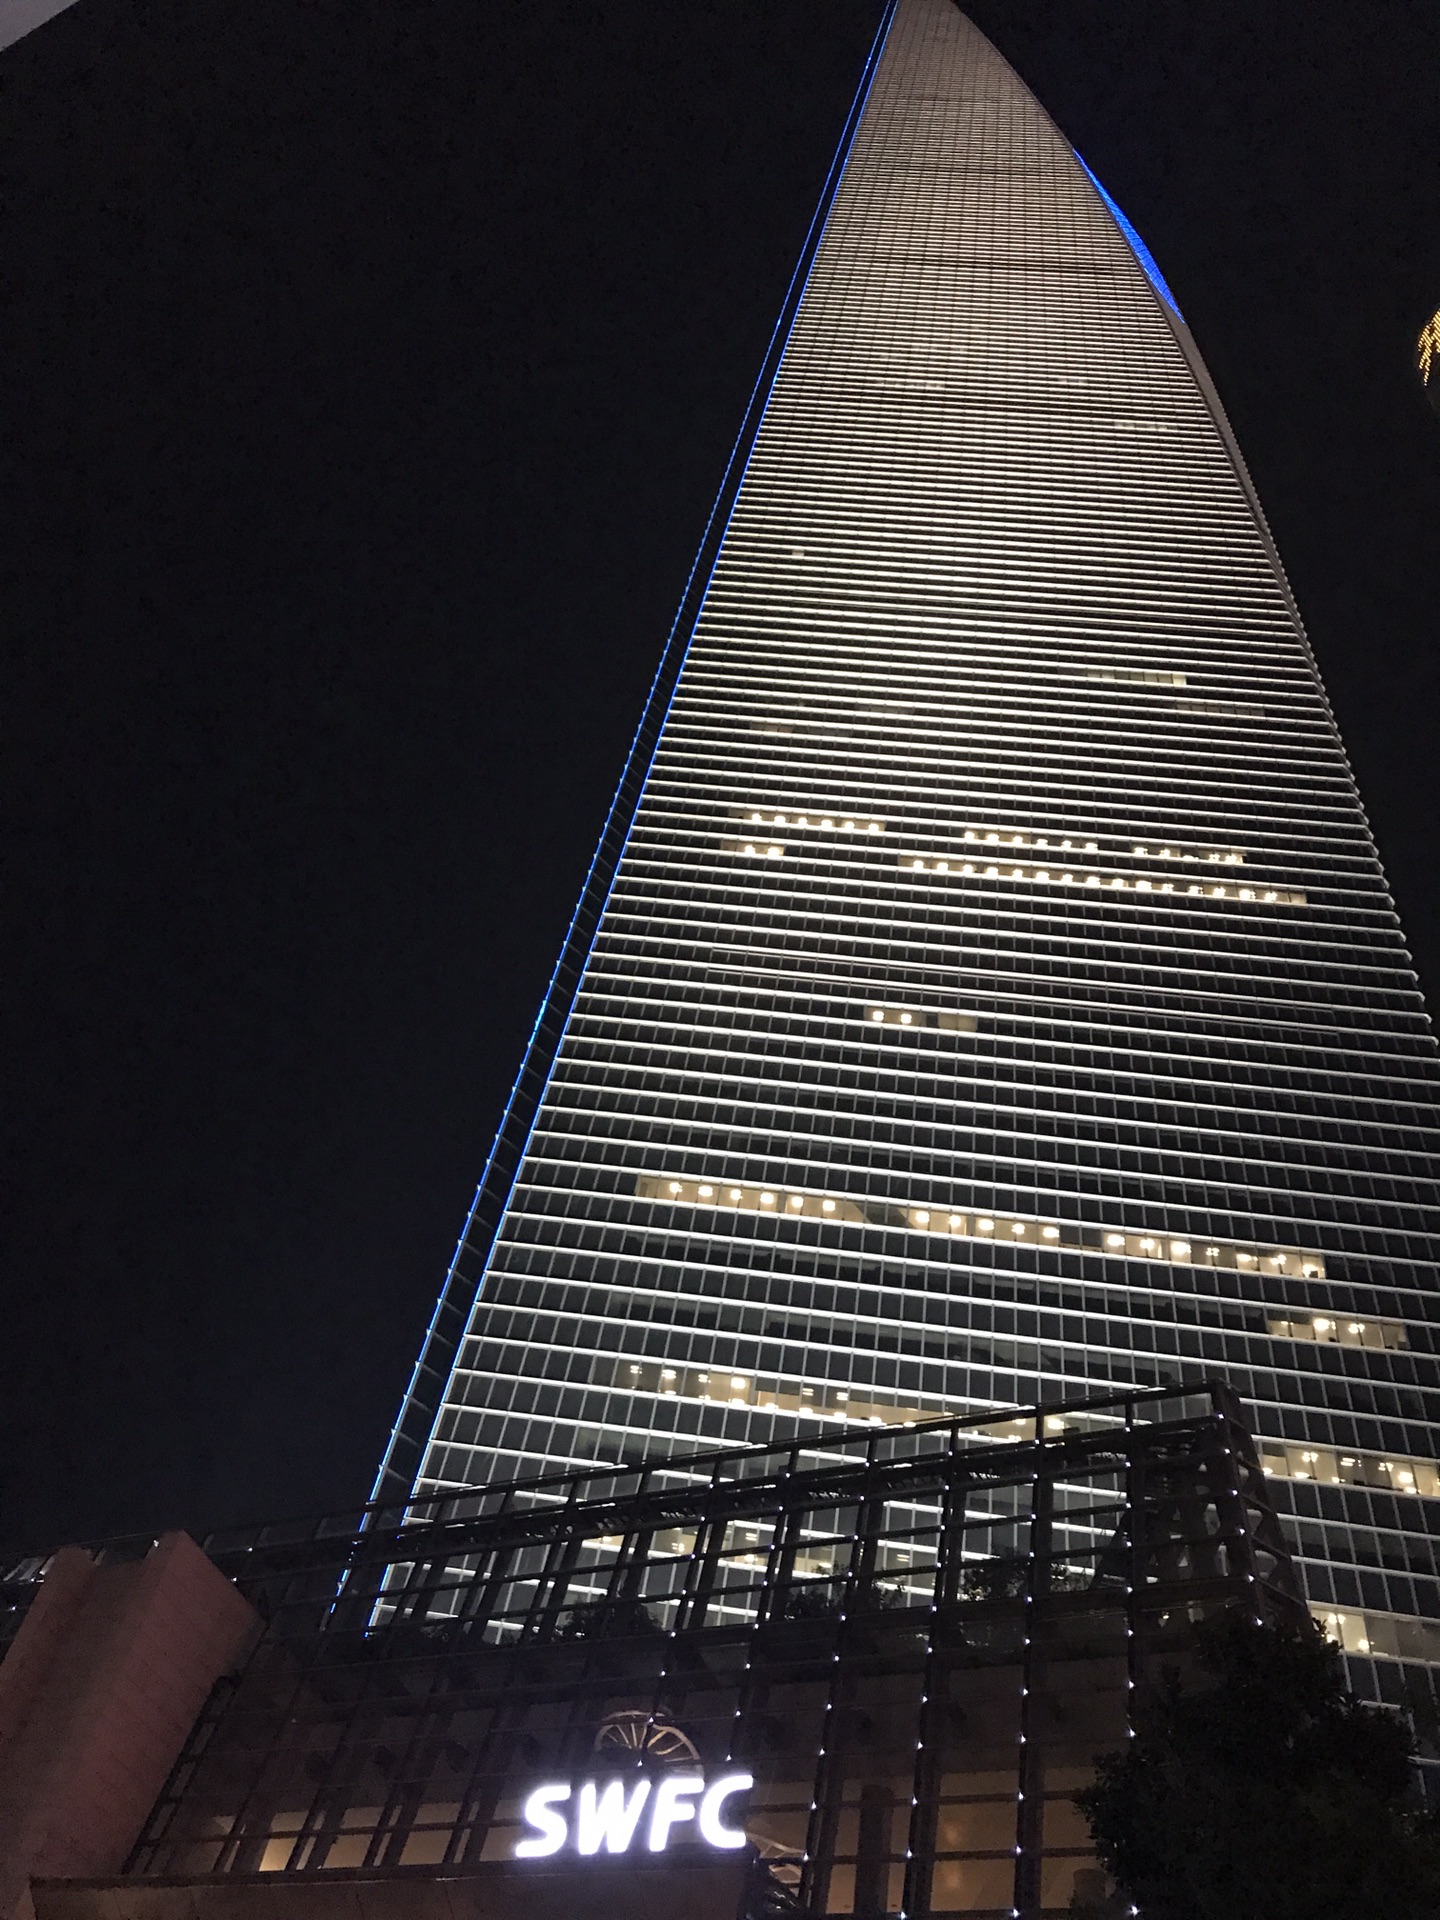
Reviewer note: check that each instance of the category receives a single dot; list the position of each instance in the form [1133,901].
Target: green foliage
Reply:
[1265,1792]
[1002,1578]
[612,1619]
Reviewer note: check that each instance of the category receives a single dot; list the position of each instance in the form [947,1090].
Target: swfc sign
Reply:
[611,1816]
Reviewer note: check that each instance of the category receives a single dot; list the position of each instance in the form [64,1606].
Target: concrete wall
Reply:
[97,1695]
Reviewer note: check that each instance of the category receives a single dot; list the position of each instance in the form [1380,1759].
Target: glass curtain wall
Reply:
[991,993]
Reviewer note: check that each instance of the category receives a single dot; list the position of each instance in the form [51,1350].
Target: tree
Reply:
[1266,1792]
[615,1618]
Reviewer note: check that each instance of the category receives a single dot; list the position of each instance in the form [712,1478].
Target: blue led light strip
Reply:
[1137,246]
[419,1409]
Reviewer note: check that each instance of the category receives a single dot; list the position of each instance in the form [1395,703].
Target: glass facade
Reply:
[986,990]
[901,1650]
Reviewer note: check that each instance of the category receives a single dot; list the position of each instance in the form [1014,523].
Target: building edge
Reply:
[420,1405]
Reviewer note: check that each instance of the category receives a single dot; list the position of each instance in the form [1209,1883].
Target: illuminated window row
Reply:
[995,837]
[828,822]
[1395,1473]
[920,1017]
[1114,883]
[1121,1244]
[1135,676]
[737,1197]
[722,1387]
[746,1199]
[763,849]
[1383,1636]
[1340,1330]
[1007,837]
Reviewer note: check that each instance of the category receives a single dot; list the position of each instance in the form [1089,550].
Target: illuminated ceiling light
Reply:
[921,1217]
[797,1200]
[767,1199]
[986,1226]
[1114,1239]
[1051,1233]
[827,1206]
[706,1192]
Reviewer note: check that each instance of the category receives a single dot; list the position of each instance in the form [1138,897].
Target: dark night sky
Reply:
[367,369]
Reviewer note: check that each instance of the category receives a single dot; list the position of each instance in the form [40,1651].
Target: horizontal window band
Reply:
[748,1199]
[1381,1636]
[996,837]
[1118,1243]
[1115,883]
[1336,1467]
[1341,1330]
[891,1016]
[819,1400]
[1135,676]
[835,821]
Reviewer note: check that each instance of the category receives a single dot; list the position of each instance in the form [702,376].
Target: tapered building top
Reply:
[986,989]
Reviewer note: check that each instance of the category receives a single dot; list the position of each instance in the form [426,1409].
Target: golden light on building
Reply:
[1427,359]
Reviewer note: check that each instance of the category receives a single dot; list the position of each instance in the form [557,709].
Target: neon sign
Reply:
[611,1816]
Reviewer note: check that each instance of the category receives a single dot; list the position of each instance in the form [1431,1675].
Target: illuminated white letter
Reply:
[549,1825]
[672,1806]
[610,1817]
[711,1825]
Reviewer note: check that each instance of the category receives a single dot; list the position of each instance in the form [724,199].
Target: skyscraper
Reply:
[986,989]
